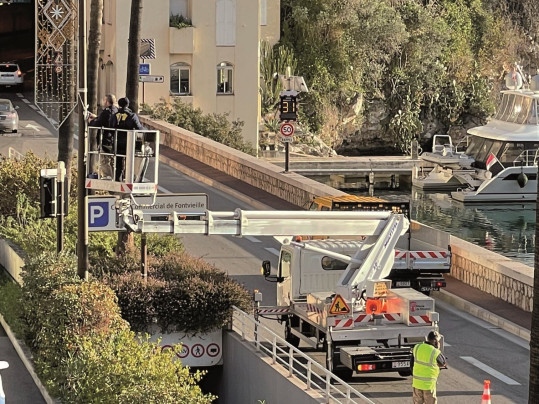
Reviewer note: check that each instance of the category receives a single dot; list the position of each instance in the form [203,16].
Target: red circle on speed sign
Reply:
[287,129]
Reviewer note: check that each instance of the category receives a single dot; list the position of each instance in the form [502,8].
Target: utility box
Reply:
[414,306]
[122,161]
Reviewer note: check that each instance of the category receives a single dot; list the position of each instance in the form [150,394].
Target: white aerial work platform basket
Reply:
[123,161]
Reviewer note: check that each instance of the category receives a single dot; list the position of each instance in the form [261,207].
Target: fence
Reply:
[315,376]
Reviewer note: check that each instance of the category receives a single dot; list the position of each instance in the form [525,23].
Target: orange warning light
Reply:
[373,306]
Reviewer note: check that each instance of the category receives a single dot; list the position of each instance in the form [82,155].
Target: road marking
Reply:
[26,101]
[490,371]
[446,344]
[34,127]
[20,95]
[272,250]
[33,107]
[164,190]
[252,239]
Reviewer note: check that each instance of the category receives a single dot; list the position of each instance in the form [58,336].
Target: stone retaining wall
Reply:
[291,187]
[490,272]
[509,280]
[11,259]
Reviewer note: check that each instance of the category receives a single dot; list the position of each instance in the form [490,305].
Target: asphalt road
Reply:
[476,350]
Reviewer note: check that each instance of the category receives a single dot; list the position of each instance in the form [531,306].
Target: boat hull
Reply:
[504,187]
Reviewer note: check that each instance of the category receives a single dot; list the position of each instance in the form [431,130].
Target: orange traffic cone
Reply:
[486,393]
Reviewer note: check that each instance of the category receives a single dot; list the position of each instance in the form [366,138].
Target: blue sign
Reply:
[143,68]
[98,214]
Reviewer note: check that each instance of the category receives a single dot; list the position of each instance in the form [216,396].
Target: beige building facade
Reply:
[212,64]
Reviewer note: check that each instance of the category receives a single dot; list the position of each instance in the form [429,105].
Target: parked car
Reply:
[11,75]
[9,118]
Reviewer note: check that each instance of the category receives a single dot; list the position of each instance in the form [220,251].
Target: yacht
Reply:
[500,160]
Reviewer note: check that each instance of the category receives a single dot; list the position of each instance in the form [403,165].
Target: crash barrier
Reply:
[315,377]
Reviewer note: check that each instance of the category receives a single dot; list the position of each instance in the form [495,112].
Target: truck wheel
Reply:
[288,336]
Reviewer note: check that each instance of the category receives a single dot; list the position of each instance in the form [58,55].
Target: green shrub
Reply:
[83,349]
[121,369]
[10,306]
[214,126]
[183,294]
[179,21]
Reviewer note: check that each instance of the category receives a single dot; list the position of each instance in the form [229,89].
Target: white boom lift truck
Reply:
[360,321]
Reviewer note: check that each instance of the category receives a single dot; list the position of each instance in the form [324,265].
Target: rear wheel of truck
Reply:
[288,336]
[339,371]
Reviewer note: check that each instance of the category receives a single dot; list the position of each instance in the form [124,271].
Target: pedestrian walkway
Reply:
[19,387]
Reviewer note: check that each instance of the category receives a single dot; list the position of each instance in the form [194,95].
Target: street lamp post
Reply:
[82,240]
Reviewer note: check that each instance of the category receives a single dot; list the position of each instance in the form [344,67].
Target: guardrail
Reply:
[314,375]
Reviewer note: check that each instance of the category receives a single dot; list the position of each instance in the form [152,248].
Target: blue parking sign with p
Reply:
[98,214]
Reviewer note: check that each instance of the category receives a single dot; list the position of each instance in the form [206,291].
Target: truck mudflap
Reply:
[372,360]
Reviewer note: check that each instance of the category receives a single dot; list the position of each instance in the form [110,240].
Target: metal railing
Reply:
[315,376]
[14,154]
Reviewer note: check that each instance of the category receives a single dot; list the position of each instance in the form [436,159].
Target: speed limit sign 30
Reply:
[287,132]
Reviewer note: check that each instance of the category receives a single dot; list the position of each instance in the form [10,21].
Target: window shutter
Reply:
[263,12]
[226,23]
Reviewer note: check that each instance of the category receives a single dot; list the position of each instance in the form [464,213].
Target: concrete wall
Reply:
[291,187]
[493,273]
[10,259]
[250,378]
[485,270]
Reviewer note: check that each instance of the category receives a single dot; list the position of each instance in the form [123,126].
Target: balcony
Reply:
[181,40]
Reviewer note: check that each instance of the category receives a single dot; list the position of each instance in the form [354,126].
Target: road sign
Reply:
[102,210]
[339,306]
[151,78]
[197,350]
[144,69]
[287,132]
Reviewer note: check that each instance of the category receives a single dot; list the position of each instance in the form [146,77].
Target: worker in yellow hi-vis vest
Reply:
[428,359]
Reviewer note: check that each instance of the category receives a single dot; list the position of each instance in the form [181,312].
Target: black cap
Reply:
[123,102]
[433,336]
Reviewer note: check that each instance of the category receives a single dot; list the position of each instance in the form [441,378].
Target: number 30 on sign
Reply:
[287,131]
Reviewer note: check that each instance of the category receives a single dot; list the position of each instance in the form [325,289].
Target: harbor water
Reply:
[508,229]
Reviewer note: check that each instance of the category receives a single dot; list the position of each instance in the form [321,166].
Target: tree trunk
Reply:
[534,340]
[94,42]
[133,55]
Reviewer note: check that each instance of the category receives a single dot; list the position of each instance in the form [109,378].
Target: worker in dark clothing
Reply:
[124,119]
[104,120]
[428,359]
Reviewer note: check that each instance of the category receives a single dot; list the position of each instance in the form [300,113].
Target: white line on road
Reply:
[26,101]
[33,107]
[273,251]
[490,371]
[20,95]
[252,239]
[164,190]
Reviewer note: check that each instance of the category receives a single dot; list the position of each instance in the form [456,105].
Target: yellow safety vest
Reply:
[426,368]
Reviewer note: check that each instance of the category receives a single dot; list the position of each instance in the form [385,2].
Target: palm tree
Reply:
[94,42]
[133,54]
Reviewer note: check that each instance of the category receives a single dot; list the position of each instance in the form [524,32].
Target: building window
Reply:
[224,78]
[180,7]
[180,80]
[225,22]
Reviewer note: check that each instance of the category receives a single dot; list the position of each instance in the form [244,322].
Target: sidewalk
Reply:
[457,293]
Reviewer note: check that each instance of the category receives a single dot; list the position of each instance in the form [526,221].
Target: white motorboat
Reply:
[500,161]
